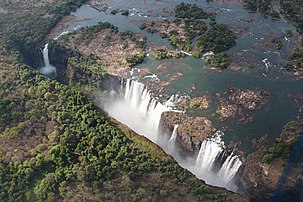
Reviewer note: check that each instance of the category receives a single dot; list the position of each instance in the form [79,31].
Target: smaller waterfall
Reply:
[45,55]
[174,134]
[210,151]
[155,115]
[48,69]
[230,167]
[145,101]
[172,139]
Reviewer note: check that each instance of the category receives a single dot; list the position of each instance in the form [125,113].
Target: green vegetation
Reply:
[180,32]
[89,33]
[134,59]
[24,26]
[288,33]
[194,104]
[295,61]
[278,42]
[178,42]
[114,12]
[285,143]
[82,155]
[163,53]
[88,64]
[220,61]
[217,39]
[86,73]
[190,11]
[103,40]
[292,11]
[196,54]
[261,6]
[194,28]
[126,13]
[140,42]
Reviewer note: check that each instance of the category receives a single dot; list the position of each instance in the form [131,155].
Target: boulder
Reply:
[191,131]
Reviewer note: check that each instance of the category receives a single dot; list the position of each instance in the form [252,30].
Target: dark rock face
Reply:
[111,82]
[59,58]
[261,180]
[191,131]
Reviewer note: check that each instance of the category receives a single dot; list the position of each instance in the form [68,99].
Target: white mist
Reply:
[136,108]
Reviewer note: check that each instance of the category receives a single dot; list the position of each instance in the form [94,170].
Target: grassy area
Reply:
[285,143]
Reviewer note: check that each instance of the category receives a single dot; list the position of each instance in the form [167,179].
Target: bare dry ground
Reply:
[106,45]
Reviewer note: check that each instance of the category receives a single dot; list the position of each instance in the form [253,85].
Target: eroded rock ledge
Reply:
[242,103]
[191,131]
[261,175]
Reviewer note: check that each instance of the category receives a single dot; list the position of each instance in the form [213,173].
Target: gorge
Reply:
[135,107]
[141,99]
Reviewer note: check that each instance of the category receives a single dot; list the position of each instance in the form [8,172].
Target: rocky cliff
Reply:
[191,131]
[275,174]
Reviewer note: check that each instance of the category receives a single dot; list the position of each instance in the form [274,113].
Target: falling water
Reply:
[48,69]
[138,95]
[172,140]
[141,112]
[210,149]
[45,55]
[230,167]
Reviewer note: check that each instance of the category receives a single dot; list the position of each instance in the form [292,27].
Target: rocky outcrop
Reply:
[262,180]
[249,98]
[241,104]
[59,58]
[191,131]
[202,102]
[118,51]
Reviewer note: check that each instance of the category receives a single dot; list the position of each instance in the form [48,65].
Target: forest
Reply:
[217,39]
[56,145]
[76,147]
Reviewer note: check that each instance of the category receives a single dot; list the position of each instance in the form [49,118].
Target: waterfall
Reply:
[210,151]
[230,167]
[172,139]
[45,56]
[139,97]
[140,111]
[145,101]
[155,115]
[48,69]
[174,134]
